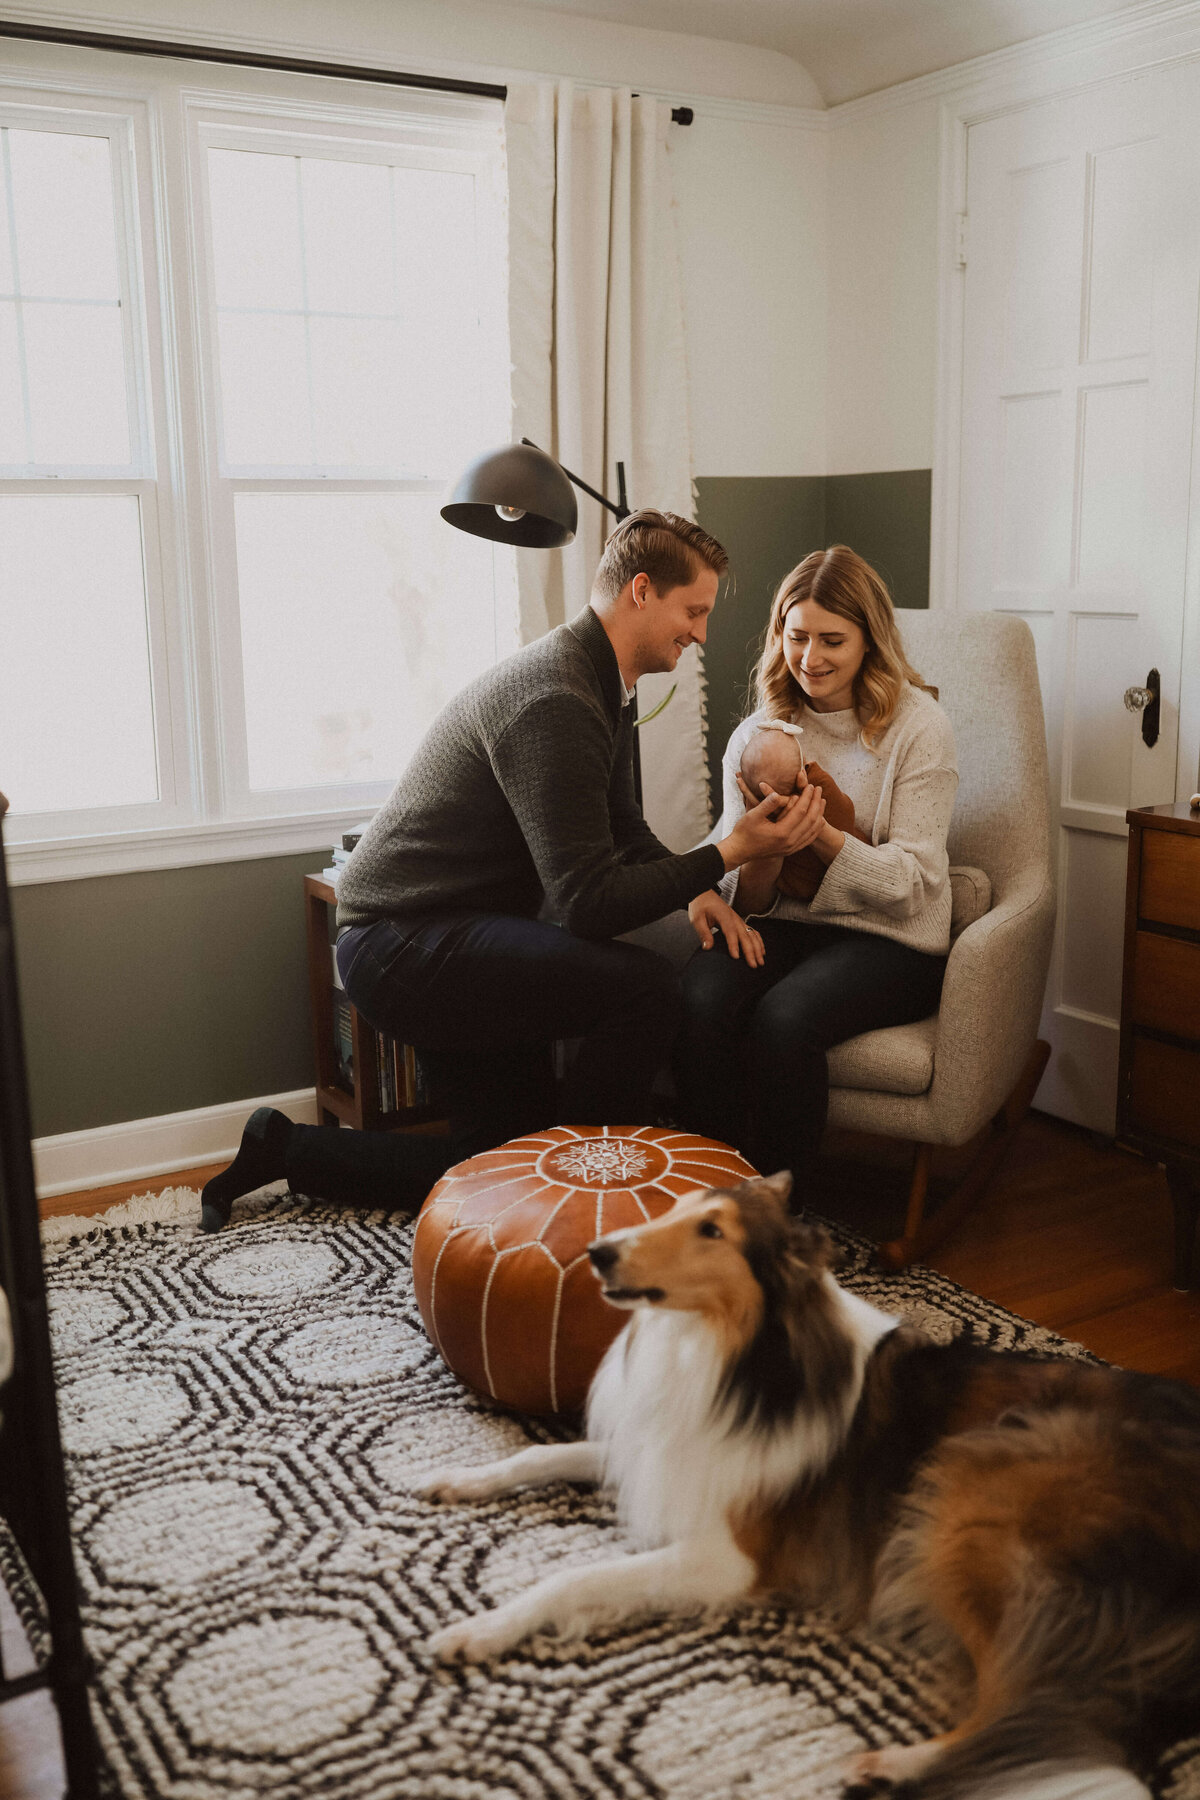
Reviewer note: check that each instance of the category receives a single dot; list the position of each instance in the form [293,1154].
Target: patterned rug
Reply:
[242,1413]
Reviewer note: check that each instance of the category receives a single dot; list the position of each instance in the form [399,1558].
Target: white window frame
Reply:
[126,127]
[163,118]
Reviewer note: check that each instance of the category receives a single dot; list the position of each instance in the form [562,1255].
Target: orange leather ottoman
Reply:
[500,1262]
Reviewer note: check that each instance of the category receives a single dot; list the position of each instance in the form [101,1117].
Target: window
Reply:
[247,336]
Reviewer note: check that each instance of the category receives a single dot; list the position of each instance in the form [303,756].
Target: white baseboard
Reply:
[148,1147]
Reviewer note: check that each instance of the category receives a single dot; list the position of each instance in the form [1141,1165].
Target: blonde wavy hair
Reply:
[839,580]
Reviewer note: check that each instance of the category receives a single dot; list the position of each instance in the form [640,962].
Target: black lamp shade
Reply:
[520,478]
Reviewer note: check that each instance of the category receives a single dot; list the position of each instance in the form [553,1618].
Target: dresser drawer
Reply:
[1164,1092]
[1169,887]
[1166,985]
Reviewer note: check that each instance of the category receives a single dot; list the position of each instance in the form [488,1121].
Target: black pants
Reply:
[483,997]
[750,1057]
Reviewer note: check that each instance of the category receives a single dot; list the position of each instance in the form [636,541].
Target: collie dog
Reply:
[1032,1523]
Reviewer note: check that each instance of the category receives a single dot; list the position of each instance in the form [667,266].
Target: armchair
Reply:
[977,1062]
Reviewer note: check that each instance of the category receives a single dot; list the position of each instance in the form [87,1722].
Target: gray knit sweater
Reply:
[519,799]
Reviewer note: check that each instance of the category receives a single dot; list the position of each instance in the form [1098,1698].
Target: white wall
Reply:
[882,259]
[751,194]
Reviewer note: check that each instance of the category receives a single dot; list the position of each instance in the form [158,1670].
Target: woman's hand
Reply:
[773,826]
[710,914]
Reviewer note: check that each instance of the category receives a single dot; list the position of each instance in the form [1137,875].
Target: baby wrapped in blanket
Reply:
[774,759]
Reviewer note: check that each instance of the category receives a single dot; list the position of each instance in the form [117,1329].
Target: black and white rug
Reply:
[242,1413]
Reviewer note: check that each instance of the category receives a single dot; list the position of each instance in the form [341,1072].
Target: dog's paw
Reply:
[876,1771]
[861,1776]
[447,1486]
[473,1640]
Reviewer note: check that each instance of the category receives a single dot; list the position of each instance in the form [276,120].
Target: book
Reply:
[350,838]
[343,1038]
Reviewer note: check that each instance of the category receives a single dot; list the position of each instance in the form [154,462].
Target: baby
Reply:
[773,759]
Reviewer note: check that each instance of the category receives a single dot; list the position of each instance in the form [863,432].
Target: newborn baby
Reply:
[773,759]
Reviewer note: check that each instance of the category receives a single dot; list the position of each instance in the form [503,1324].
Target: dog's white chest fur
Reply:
[678,1463]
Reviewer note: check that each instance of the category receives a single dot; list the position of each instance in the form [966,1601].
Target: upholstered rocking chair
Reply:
[978,1060]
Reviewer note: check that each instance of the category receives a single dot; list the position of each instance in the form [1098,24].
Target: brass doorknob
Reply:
[1138,697]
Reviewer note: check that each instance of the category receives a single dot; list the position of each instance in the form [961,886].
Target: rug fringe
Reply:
[174,1206]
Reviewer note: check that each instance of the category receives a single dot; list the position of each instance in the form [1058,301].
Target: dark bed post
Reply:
[33,1489]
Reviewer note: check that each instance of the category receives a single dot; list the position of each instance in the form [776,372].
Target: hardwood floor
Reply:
[1073,1233]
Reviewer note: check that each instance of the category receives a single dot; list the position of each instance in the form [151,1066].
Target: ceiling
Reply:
[853,47]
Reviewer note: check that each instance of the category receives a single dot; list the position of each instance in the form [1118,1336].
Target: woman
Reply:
[869,948]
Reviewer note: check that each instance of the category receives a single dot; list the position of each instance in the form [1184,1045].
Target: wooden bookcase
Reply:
[338,1103]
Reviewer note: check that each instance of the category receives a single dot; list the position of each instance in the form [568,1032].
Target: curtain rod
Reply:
[247,59]
[252,59]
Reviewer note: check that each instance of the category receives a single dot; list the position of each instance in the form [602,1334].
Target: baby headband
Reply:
[796,731]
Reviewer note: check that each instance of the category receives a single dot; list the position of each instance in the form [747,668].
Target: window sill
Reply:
[178,847]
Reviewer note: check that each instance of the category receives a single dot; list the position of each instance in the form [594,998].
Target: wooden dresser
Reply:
[1158,1095]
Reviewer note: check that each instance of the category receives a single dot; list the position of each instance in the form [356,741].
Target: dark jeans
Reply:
[483,997]
[750,1057]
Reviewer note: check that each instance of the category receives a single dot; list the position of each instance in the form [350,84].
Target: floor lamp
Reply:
[520,495]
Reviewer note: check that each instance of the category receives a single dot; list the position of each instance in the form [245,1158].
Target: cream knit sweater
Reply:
[903,792]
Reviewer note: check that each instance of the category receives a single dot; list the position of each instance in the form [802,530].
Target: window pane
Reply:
[356,344]
[255,209]
[359,415]
[440,302]
[63,203]
[75,357]
[13,448]
[361,614]
[76,719]
[8,280]
[348,248]
[266,414]
[62,316]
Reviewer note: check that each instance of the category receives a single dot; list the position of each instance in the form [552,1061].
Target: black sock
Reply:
[261,1157]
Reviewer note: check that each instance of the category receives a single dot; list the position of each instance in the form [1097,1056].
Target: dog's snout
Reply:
[604,1256]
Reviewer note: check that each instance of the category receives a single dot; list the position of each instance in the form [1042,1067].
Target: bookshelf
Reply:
[356,1100]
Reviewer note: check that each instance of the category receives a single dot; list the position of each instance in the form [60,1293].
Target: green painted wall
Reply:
[159,992]
[179,988]
[886,519]
[768,524]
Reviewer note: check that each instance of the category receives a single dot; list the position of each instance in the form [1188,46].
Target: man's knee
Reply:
[644,982]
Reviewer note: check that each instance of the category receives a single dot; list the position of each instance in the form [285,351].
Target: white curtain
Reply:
[600,372]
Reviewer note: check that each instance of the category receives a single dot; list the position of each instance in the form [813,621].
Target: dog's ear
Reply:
[812,1244]
[773,1187]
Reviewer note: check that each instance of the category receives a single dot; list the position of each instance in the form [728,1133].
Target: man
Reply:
[478,915]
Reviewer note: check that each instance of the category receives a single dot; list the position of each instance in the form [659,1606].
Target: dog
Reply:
[1030,1522]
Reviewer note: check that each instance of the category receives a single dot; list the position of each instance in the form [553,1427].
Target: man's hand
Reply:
[775,827]
[710,914]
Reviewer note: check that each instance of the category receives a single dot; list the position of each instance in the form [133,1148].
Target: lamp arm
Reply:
[620,509]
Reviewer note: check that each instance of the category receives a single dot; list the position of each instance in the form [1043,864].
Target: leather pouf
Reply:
[500,1262]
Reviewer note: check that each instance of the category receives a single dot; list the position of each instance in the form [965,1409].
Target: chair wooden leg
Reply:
[923,1234]
[899,1252]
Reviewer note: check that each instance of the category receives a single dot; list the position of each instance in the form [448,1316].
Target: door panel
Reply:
[1080,314]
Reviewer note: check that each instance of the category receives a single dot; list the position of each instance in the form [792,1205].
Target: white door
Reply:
[1082,274]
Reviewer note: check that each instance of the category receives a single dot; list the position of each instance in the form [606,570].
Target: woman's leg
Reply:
[849,982]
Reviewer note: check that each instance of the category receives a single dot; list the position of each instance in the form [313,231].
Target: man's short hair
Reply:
[667,548]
